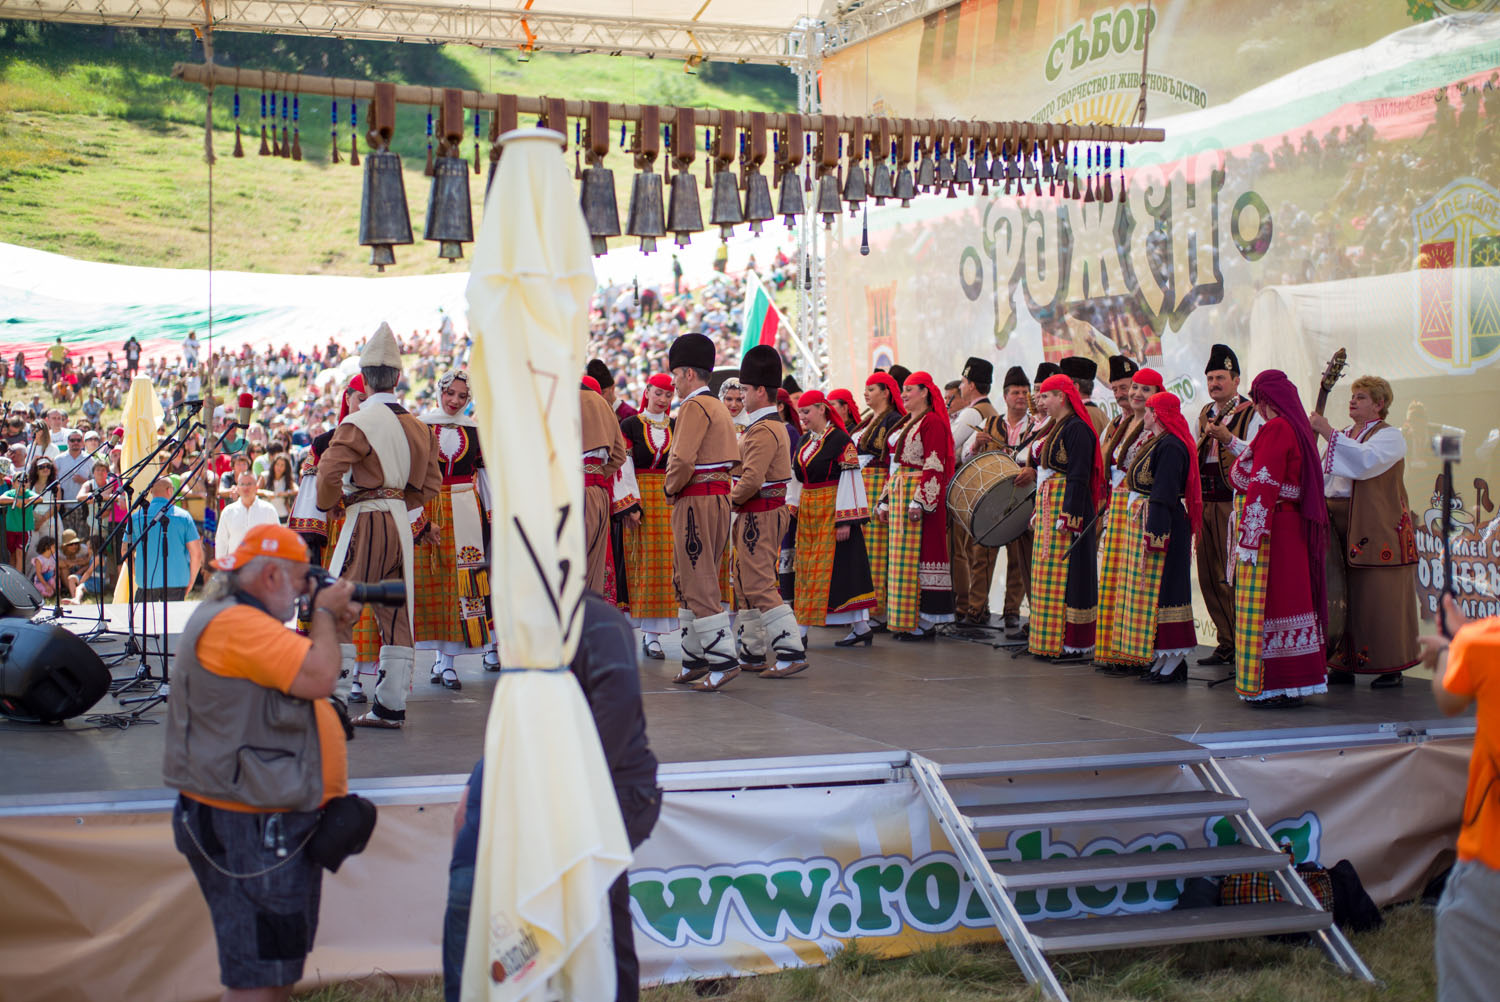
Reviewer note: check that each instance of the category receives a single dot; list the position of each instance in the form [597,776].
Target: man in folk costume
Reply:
[1071,489]
[603,455]
[1226,425]
[1028,454]
[919,593]
[704,448]
[599,372]
[648,543]
[1011,433]
[886,411]
[1363,468]
[766,624]
[382,464]
[1281,586]
[453,586]
[1084,372]
[973,564]
[1122,372]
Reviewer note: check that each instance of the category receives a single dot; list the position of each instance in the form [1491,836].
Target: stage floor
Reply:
[939,698]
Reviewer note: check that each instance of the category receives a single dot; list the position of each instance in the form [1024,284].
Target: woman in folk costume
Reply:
[1280,588]
[919,579]
[841,402]
[1155,616]
[1118,552]
[317,527]
[453,587]
[1071,489]
[883,398]
[788,412]
[833,571]
[648,543]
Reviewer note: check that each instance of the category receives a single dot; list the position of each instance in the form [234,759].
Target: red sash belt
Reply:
[596,480]
[766,499]
[709,483]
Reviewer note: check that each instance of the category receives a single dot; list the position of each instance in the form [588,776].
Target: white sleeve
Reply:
[1239,445]
[793,492]
[850,501]
[482,485]
[627,491]
[1354,460]
[964,425]
[221,532]
[305,504]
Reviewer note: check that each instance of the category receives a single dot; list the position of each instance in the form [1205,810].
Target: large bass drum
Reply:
[983,498]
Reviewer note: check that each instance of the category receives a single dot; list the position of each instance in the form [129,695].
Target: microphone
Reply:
[246,404]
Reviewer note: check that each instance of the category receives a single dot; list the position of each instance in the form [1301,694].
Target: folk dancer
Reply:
[697,487]
[382,464]
[973,565]
[1280,586]
[452,576]
[1363,470]
[883,398]
[1119,551]
[1156,616]
[603,455]
[1226,425]
[732,393]
[648,543]
[1028,455]
[842,403]
[316,527]
[1011,433]
[788,411]
[919,585]
[1084,372]
[1071,489]
[599,372]
[834,586]
[766,624]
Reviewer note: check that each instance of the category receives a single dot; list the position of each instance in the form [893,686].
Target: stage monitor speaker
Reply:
[18,596]
[47,674]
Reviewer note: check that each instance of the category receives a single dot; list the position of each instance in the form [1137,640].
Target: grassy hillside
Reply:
[101,151]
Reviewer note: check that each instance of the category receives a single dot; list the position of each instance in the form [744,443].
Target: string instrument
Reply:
[1331,374]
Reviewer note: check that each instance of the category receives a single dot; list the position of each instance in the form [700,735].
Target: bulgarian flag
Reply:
[763,321]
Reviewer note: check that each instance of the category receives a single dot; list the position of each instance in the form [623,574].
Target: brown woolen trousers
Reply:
[757,551]
[596,506]
[375,555]
[700,531]
[1213,564]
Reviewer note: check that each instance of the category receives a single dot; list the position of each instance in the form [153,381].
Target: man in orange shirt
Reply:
[256,749]
[1467,672]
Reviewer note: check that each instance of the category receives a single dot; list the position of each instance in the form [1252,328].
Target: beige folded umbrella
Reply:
[142,416]
[550,838]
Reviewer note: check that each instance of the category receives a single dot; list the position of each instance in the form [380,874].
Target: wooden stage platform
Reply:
[948,697]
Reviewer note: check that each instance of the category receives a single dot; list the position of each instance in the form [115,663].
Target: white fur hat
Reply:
[381,349]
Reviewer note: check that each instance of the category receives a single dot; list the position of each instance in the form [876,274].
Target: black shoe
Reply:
[452,684]
[1012,622]
[1218,658]
[652,649]
[1390,680]
[878,627]
[856,639]
[1337,676]
[1277,703]
[1024,633]
[1177,676]
[916,637]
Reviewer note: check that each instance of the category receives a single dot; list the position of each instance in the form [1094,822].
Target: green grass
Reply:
[101,150]
[1400,954]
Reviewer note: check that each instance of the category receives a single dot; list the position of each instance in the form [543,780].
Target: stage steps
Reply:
[978,793]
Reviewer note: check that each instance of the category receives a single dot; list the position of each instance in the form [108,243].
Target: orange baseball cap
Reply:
[265,541]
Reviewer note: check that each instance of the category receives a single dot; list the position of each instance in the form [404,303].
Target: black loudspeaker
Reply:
[46,673]
[18,596]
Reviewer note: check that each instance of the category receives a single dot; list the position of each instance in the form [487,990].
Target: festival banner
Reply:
[1329,179]
[730,883]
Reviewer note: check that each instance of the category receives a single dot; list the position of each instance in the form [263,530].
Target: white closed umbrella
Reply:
[141,416]
[550,837]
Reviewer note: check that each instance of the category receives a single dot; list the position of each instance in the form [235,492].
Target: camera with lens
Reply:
[379,593]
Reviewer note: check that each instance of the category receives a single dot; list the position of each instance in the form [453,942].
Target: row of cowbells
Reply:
[385,221]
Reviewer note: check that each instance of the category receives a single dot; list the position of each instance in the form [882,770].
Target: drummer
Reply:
[973,564]
[1012,432]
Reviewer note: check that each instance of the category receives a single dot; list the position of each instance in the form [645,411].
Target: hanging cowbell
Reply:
[828,199]
[753,153]
[646,219]
[789,201]
[725,212]
[855,188]
[906,188]
[384,220]
[963,175]
[684,212]
[600,209]
[926,171]
[450,219]
[758,206]
[880,182]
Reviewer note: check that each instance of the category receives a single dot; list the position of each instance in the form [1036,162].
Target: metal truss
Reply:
[438,21]
[858,22]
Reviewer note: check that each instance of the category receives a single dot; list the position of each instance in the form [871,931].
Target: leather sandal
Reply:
[724,678]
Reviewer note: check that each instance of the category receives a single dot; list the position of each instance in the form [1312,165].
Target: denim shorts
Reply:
[264,922]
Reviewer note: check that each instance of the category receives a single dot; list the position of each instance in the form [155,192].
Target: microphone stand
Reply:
[57,611]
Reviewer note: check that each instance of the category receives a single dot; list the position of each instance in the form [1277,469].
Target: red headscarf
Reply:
[847,399]
[356,385]
[661,381]
[940,410]
[1098,483]
[1274,388]
[1149,377]
[811,397]
[889,382]
[783,397]
[1168,410]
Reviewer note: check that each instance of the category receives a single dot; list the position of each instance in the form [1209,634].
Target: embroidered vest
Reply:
[1214,476]
[1380,529]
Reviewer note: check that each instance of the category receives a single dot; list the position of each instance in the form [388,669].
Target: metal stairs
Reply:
[976,795]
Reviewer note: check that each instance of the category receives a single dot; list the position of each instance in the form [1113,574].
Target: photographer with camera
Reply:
[256,750]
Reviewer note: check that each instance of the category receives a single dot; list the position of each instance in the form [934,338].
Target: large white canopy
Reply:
[766,31]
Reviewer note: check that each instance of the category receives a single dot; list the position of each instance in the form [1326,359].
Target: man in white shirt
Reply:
[237,517]
[973,565]
[74,466]
[1019,428]
[190,351]
[1370,523]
